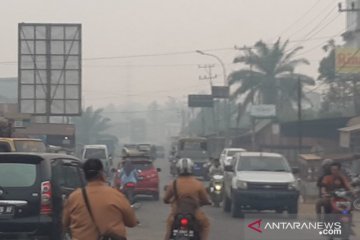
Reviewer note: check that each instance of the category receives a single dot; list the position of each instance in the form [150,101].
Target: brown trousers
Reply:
[200,217]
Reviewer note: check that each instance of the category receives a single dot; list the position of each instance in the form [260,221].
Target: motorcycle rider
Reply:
[109,215]
[321,202]
[187,187]
[128,174]
[332,182]
[216,168]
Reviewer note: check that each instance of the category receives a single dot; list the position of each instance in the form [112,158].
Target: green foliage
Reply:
[269,77]
[90,126]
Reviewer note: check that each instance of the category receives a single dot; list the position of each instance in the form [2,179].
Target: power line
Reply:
[300,18]
[313,19]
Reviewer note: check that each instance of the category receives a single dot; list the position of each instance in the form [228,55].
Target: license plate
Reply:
[185,233]
[345,219]
[6,210]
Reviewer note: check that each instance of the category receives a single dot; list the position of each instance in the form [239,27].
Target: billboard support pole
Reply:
[48,74]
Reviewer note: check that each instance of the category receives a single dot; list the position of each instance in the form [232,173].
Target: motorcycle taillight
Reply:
[184,222]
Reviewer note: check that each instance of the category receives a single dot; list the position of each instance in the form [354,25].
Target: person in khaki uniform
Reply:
[111,211]
[187,186]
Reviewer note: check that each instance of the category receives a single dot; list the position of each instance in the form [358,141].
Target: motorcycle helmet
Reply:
[184,166]
[327,162]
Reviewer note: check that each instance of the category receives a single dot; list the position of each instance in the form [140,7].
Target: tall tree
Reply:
[269,77]
[91,126]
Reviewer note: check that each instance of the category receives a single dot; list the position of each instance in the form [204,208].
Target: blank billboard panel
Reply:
[50,69]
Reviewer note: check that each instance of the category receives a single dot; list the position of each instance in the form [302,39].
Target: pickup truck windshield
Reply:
[95,153]
[263,163]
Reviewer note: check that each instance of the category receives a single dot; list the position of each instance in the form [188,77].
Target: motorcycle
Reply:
[184,227]
[173,162]
[216,189]
[128,189]
[341,206]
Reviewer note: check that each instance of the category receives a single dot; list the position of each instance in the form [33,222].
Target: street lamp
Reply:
[226,84]
[221,62]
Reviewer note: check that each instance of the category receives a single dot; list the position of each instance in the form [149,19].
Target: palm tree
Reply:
[270,78]
[91,126]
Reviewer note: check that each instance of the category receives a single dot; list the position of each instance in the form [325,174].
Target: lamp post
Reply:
[226,84]
[221,62]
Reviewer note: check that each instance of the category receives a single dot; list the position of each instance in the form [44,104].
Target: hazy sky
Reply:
[120,28]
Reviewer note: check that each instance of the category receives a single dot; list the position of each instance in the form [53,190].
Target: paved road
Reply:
[153,216]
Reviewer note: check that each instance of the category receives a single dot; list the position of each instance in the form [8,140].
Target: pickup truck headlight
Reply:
[241,184]
[293,186]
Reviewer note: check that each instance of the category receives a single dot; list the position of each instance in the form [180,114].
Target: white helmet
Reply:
[184,166]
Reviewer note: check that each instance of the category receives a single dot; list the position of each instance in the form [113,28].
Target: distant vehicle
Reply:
[33,189]
[22,145]
[195,148]
[148,148]
[149,180]
[99,152]
[160,152]
[227,154]
[260,181]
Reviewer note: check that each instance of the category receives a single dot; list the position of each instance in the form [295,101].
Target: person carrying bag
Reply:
[88,215]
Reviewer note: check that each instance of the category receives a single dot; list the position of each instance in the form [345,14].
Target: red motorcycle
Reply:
[341,207]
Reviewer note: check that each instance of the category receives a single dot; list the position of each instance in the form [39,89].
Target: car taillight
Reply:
[46,198]
[130,185]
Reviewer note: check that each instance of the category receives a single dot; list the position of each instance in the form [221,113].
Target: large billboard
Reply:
[49,69]
[201,101]
[347,60]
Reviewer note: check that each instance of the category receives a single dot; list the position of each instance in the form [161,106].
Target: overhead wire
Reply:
[300,18]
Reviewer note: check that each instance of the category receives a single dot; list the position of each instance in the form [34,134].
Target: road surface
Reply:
[153,216]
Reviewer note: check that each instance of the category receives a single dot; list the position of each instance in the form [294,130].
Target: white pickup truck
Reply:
[260,181]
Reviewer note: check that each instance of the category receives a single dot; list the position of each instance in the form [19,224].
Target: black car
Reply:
[32,190]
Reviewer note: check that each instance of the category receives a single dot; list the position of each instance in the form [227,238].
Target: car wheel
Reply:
[227,204]
[293,210]
[236,211]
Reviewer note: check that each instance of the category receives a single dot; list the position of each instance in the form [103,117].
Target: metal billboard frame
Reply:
[49,69]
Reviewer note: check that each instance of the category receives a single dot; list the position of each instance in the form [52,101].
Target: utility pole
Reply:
[208,69]
[300,134]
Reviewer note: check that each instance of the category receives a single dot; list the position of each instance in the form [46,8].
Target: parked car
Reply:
[32,190]
[227,154]
[260,181]
[160,152]
[22,145]
[148,183]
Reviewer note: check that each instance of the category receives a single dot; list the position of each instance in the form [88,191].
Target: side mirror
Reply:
[295,170]
[158,169]
[229,168]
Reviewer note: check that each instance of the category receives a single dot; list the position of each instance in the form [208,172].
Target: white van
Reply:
[98,151]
